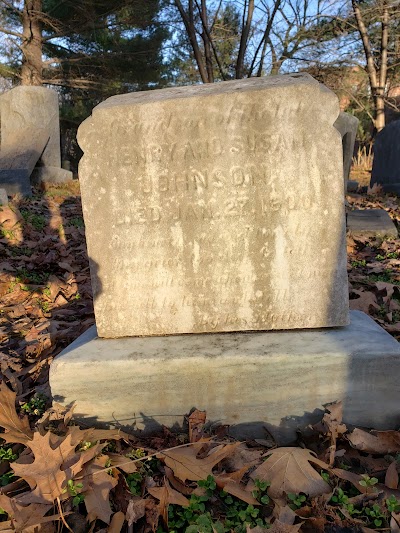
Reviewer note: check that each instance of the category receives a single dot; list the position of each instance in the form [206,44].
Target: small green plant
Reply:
[6,478]
[341,499]
[73,489]
[44,305]
[7,234]
[260,492]
[36,405]
[392,504]
[325,476]
[24,275]
[361,263]
[297,500]
[367,481]
[6,454]
[134,482]
[375,514]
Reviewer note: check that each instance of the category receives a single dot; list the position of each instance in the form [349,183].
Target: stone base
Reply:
[371,223]
[3,197]
[277,380]
[51,175]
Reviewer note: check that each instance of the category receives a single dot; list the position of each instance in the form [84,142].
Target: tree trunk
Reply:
[32,65]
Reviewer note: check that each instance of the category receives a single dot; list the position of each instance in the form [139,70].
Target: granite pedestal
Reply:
[275,379]
[371,223]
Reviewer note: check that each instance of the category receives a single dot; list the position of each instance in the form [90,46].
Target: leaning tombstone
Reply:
[214,215]
[347,126]
[386,164]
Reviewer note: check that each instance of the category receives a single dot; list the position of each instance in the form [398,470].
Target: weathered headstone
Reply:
[212,209]
[216,208]
[18,158]
[386,164]
[27,112]
[26,107]
[347,126]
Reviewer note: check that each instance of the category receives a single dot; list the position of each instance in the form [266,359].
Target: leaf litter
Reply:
[57,476]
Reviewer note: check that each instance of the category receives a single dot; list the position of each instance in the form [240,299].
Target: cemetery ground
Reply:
[57,475]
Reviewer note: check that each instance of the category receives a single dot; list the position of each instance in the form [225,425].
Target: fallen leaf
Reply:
[17,429]
[136,510]
[196,422]
[365,301]
[334,427]
[379,442]
[100,483]
[289,471]
[23,516]
[123,463]
[354,479]
[44,475]
[392,477]
[239,491]
[186,465]
[167,496]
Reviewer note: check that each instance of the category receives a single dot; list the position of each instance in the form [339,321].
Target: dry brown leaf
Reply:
[116,523]
[379,442]
[236,489]
[364,302]
[122,463]
[9,217]
[167,496]
[17,429]
[392,477]
[136,510]
[24,516]
[277,527]
[289,470]
[100,483]
[334,427]
[185,464]
[44,475]
[196,422]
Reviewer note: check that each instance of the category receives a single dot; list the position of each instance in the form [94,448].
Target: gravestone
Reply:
[219,209]
[347,126]
[216,208]
[18,158]
[27,113]
[386,164]
[32,107]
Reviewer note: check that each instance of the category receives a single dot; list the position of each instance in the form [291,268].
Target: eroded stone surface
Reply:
[32,107]
[250,379]
[216,208]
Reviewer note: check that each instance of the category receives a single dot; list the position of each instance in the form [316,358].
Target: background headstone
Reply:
[386,165]
[216,208]
[26,107]
[347,126]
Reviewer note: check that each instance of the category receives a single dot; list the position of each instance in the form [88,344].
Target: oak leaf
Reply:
[186,465]
[167,496]
[379,442]
[136,510]
[100,483]
[17,429]
[44,475]
[23,516]
[332,421]
[196,421]
[289,471]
